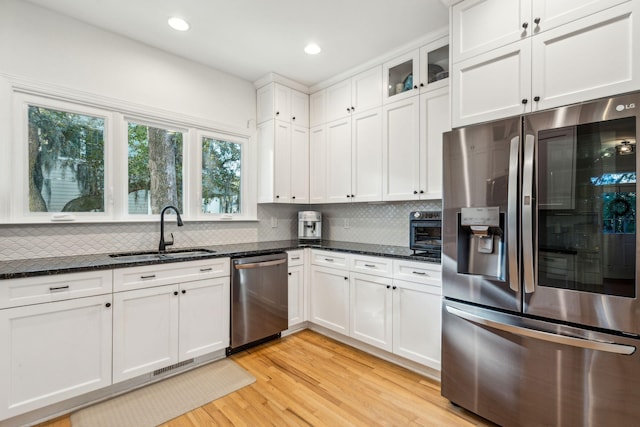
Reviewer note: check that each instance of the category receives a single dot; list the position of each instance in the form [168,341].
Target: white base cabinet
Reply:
[52,352]
[329,299]
[158,326]
[297,289]
[393,305]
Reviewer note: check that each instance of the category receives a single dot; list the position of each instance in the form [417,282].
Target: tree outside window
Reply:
[221,176]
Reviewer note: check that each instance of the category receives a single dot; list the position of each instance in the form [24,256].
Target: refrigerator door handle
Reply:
[512,215]
[527,214]
[542,335]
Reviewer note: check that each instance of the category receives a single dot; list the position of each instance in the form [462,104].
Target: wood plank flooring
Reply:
[308,379]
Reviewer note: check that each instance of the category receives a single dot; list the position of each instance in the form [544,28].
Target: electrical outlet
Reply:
[274,222]
[346,223]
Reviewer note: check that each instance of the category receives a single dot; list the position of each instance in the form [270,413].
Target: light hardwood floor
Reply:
[308,379]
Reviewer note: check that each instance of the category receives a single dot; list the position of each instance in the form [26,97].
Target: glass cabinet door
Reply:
[586,198]
[434,65]
[401,77]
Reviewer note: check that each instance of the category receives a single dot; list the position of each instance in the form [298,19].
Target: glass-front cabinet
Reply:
[417,71]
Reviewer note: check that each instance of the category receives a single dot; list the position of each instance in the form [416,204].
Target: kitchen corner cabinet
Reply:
[318,164]
[358,93]
[173,313]
[276,101]
[53,351]
[548,66]
[297,288]
[283,163]
[329,291]
[354,158]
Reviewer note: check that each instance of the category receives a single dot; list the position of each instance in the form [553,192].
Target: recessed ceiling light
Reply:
[178,24]
[312,49]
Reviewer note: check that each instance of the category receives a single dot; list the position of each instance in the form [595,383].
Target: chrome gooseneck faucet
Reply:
[163,244]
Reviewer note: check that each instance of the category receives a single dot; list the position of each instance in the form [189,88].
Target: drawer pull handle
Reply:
[370,265]
[58,288]
[295,258]
[206,269]
[328,259]
[420,273]
[151,276]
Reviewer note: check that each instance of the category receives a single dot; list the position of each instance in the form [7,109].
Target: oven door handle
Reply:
[587,344]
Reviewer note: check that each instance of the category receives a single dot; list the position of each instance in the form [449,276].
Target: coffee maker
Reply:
[309,225]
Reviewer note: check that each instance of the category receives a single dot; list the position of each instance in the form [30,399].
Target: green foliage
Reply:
[67,140]
[221,164]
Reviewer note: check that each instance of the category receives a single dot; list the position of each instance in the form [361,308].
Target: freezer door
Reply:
[480,214]
[579,225]
[522,372]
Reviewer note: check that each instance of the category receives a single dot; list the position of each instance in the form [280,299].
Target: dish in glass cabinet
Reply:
[433,71]
[408,82]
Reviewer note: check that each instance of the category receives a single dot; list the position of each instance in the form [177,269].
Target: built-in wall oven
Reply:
[425,233]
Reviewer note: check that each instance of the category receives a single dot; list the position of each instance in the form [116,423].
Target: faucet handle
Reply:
[170,242]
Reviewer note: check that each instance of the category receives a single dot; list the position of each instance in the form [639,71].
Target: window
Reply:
[79,161]
[66,161]
[221,176]
[154,169]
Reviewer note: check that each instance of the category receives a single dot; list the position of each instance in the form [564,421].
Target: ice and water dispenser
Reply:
[481,242]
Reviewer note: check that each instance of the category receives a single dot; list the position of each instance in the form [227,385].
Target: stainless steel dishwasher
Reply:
[259,299]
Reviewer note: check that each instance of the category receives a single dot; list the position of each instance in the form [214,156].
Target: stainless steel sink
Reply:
[155,255]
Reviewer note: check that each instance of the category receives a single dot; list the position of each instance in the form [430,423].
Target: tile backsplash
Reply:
[383,223]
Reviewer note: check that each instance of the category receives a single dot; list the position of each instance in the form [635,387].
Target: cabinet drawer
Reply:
[372,265]
[419,272]
[56,287]
[295,258]
[164,274]
[330,259]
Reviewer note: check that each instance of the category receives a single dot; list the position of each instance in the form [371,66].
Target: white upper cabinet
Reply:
[276,101]
[482,25]
[359,93]
[318,164]
[401,77]
[576,51]
[317,108]
[479,26]
[434,65]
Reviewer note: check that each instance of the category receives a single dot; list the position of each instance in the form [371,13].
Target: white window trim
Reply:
[20,167]
[248,210]
[116,114]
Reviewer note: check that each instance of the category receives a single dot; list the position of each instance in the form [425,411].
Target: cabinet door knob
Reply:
[395,287]
[536,98]
[346,278]
[421,84]
[348,110]
[348,196]
[525,25]
[537,21]
[388,286]
[277,113]
[277,197]
[415,86]
[108,305]
[175,292]
[289,273]
[293,197]
[353,108]
[421,191]
[184,291]
[353,195]
[524,101]
[415,192]
[293,118]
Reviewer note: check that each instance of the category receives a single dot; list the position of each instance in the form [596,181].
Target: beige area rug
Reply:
[158,403]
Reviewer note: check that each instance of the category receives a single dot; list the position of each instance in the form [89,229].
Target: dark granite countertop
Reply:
[71,264]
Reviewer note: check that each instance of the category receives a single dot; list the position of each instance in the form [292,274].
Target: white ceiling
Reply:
[251,38]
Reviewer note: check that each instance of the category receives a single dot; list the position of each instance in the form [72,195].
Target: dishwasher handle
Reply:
[260,264]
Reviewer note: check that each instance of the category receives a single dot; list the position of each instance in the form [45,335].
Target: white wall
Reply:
[41,45]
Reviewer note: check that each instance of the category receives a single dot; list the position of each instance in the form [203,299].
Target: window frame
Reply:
[20,167]
[117,114]
[245,176]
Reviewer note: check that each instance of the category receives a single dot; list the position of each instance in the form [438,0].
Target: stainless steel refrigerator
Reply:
[541,318]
